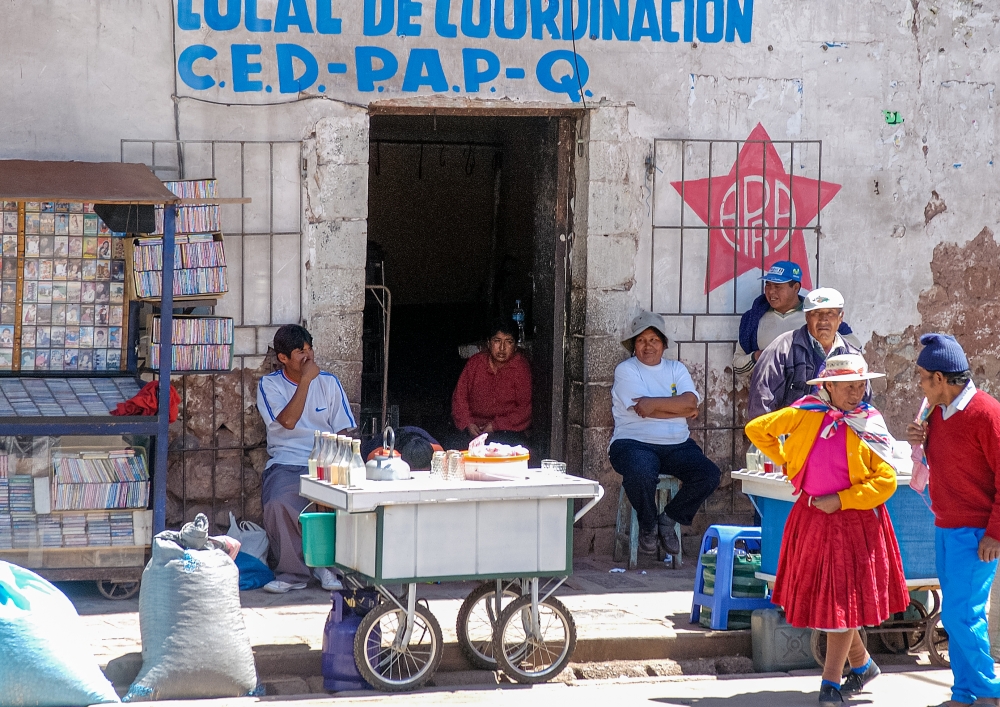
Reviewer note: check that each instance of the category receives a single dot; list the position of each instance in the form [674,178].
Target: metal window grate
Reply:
[265,263]
[722,212]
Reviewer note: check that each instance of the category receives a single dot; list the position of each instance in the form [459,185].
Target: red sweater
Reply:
[503,398]
[963,453]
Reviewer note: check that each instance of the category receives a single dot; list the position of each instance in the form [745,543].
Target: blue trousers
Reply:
[640,465]
[965,586]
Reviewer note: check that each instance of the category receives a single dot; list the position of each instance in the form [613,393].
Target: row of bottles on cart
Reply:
[337,459]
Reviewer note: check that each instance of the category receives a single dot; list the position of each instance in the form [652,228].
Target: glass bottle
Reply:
[344,469]
[329,457]
[357,472]
[518,317]
[336,459]
[314,454]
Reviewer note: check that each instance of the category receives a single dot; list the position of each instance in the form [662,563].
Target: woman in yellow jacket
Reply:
[840,567]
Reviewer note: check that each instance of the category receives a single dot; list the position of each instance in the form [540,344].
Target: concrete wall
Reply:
[914,212]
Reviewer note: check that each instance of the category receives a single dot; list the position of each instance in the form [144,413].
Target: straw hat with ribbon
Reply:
[845,367]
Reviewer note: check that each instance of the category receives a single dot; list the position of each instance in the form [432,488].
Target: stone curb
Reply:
[298,660]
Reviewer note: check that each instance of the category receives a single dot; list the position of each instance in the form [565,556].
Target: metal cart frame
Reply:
[529,634]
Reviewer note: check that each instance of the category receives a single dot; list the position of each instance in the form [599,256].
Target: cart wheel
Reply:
[916,638]
[477,622]
[939,646]
[817,643]
[117,590]
[526,657]
[384,661]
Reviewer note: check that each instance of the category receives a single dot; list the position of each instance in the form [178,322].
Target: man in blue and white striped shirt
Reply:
[295,402]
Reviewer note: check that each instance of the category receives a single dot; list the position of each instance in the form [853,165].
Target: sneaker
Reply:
[855,682]
[327,579]
[668,536]
[828,693]
[647,542]
[276,586]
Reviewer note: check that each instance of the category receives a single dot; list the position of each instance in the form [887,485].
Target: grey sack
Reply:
[194,641]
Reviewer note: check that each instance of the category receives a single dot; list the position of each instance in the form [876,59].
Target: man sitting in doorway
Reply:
[295,402]
[493,394]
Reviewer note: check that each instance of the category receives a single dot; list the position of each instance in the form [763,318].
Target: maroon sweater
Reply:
[963,453]
[502,397]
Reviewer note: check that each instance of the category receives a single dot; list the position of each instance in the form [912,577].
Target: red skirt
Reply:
[839,570]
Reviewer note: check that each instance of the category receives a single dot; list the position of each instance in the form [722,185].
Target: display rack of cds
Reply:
[199,343]
[62,289]
[199,255]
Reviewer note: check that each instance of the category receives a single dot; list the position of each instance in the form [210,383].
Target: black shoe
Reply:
[855,682]
[668,537]
[828,693]
[647,542]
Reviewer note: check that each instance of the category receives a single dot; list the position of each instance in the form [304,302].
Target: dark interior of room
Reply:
[460,227]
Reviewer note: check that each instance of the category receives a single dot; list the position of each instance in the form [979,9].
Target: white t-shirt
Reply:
[326,409]
[634,379]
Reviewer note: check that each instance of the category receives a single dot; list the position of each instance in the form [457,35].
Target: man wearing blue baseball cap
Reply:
[960,431]
[773,313]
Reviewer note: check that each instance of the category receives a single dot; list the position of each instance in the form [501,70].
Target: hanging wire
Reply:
[576,57]
[378,158]
[441,158]
[470,161]
[497,161]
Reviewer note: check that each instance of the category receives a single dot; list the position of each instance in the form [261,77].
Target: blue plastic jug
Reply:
[340,672]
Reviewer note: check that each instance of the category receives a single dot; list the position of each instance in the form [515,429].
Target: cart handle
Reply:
[593,502]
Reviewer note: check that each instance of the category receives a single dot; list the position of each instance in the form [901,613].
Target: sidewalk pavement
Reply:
[892,689]
[635,615]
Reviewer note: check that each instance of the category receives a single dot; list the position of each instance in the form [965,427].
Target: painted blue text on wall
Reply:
[319,45]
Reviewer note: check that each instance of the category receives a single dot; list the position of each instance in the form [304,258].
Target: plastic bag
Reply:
[45,659]
[253,538]
[194,640]
[254,574]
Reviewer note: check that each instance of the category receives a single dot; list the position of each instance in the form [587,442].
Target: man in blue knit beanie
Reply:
[960,431]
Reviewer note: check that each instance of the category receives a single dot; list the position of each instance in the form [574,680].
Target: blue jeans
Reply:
[640,465]
[965,586]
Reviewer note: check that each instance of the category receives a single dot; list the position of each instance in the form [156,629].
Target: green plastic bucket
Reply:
[319,538]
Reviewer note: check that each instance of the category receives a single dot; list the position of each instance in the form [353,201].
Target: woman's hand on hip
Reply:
[829,503]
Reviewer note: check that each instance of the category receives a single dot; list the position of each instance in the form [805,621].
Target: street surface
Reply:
[912,689]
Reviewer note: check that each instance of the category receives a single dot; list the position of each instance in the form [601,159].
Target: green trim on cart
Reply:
[570,514]
[451,578]
[379,529]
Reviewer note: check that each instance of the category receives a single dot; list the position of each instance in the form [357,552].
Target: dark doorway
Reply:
[467,216]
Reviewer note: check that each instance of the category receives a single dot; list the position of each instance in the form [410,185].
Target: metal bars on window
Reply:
[220,433]
[723,211]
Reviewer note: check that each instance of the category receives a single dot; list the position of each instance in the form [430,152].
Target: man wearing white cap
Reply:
[784,368]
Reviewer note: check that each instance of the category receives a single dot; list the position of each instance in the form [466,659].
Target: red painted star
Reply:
[762,217]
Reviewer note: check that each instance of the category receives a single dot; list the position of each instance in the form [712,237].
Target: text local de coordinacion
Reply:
[559,71]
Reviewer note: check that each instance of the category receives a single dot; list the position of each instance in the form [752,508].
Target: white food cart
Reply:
[508,533]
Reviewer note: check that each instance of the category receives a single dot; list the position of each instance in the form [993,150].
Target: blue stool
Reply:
[722,601]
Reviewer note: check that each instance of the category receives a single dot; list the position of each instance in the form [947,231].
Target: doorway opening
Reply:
[468,215]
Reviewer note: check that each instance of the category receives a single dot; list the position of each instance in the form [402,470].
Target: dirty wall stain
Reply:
[963,301]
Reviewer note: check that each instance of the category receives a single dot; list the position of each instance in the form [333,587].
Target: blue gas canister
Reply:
[340,673]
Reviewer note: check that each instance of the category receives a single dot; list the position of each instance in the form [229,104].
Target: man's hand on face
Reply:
[310,371]
[916,433]
[989,549]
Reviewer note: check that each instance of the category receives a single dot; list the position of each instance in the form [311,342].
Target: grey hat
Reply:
[641,322]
